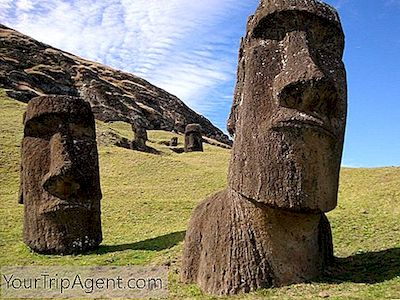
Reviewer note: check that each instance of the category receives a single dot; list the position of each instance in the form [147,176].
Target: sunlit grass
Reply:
[148,199]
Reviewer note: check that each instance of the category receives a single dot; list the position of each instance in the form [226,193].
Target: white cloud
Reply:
[24,5]
[5,8]
[185,47]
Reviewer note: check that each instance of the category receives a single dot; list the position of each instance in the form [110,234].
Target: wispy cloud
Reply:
[189,48]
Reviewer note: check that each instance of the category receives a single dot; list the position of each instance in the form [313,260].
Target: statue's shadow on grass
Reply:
[369,267]
[155,244]
[125,143]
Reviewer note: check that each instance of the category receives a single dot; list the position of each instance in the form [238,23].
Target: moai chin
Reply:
[60,182]
[268,228]
[193,138]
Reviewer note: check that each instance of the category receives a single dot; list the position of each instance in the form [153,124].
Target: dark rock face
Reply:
[193,138]
[60,183]
[139,138]
[29,69]
[288,118]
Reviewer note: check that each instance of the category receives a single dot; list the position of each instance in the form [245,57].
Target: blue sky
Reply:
[189,48]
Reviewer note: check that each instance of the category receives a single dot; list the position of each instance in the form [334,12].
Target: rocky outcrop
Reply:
[29,68]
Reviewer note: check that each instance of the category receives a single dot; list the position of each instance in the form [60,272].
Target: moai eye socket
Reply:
[270,28]
[43,126]
[328,40]
[81,131]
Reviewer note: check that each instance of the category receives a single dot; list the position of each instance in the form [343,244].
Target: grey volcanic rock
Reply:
[29,68]
[60,181]
[268,228]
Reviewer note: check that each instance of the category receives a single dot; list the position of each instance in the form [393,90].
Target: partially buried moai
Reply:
[269,228]
[173,142]
[60,183]
[139,137]
[193,138]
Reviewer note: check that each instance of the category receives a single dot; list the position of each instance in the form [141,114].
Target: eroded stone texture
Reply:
[60,183]
[139,138]
[193,138]
[292,111]
[288,118]
[236,245]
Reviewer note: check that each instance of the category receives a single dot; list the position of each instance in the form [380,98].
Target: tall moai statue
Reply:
[139,137]
[193,138]
[269,228]
[60,182]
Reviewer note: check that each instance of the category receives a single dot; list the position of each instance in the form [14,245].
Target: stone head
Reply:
[193,138]
[289,113]
[140,133]
[60,182]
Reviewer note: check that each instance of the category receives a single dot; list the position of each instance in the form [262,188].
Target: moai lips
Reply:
[60,183]
[193,138]
[289,125]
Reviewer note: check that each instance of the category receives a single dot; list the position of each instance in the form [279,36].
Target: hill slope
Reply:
[29,68]
[148,199]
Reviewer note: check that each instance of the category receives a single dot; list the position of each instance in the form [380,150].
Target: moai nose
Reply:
[61,180]
[302,84]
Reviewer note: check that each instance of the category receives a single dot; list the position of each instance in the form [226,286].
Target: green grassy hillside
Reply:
[148,199]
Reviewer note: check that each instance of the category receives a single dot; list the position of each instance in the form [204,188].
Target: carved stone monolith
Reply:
[139,138]
[60,182]
[269,228]
[173,142]
[193,138]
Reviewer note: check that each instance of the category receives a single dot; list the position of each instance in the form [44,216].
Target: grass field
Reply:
[148,200]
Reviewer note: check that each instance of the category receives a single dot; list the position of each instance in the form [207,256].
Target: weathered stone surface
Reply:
[237,245]
[173,142]
[139,138]
[193,138]
[268,228]
[29,68]
[60,184]
[289,117]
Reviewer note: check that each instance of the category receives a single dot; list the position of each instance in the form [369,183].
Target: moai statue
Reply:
[60,183]
[269,228]
[193,138]
[173,142]
[139,137]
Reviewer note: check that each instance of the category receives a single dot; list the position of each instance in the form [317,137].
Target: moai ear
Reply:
[231,124]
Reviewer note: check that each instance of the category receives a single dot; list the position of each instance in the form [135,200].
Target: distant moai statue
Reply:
[193,138]
[139,137]
[173,142]
[60,182]
[269,228]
